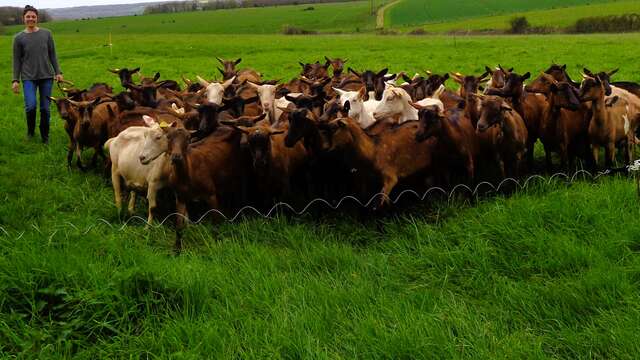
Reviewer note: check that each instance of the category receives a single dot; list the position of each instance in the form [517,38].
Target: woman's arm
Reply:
[17,59]
[52,55]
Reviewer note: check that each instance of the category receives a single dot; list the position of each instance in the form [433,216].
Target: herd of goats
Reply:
[245,140]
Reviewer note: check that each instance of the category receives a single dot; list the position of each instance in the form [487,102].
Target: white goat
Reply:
[139,171]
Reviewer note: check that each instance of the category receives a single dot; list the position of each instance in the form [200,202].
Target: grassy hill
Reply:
[550,272]
[558,18]
[413,12]
[331,17]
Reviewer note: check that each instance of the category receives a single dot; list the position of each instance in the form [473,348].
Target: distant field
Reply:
[413,12]
[549,272]
[559,18]
[332,17]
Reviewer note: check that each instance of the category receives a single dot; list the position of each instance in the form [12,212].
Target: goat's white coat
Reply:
[396,103]
[125,151]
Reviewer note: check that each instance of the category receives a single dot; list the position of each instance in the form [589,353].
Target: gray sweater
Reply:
[34,56]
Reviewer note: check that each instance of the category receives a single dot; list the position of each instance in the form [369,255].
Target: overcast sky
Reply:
[44,4]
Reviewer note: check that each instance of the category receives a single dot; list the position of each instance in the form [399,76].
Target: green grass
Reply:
[556,18]
[550,272]
[414,12]
[332,17]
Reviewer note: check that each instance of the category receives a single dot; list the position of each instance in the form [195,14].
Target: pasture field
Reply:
[331,17]
[414,12]
[552,271]
[556,18]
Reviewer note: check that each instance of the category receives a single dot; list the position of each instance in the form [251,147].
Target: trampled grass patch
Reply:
[551,271]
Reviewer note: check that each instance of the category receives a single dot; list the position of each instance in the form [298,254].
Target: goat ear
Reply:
[228,83]
[148,120]
[134,70]
[611,101]
[353,72]
[525,76]
[340,92]
[220,60]
[276,132]
[445,77]
[259,117]
[221,71]
[488,69]
[202,81]
[587,71]
[406,78]
[564,67]
[346,106]
[251,100]
[301,64]
[505,108]
[613,72]
[457,77]
[238,61]
[111,112]
[362,92]
[243,129]
[290,98]
[252,85]
[382,72]
[327,58]
[156,76]
[415,105]
[341,123]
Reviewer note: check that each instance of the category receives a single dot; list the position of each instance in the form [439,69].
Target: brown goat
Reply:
[510,142]
[457,140]
[614,118]
[392,155]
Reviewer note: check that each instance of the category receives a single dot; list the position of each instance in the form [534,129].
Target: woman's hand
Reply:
[15,86]
[59,77]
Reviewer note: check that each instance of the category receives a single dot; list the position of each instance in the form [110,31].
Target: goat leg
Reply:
[117,191]
[132,203]
[70,154]
[610,154]
[78,151]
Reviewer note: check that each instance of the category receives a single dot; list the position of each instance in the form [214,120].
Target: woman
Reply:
[35,64]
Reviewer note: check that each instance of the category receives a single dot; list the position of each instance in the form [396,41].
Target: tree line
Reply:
[183,6]
[10,15]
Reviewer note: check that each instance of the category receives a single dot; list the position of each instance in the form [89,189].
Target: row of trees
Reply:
[182,6]
[594,24]
[10,15]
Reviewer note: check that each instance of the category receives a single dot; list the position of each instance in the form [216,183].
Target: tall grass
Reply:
[551,271]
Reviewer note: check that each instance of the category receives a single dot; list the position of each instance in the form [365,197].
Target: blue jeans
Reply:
[44,87]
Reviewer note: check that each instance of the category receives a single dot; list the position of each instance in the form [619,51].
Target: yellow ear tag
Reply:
[164,125]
